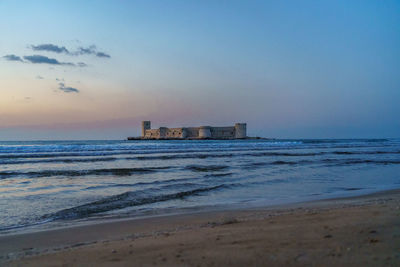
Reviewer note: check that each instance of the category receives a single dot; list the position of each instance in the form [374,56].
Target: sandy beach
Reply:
[358,231]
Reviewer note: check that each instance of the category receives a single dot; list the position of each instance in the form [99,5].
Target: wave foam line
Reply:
[112,171]
[127,199]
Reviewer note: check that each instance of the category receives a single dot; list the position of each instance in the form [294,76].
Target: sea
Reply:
[50,184]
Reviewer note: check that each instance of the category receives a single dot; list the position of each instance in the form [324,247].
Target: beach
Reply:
[355,231]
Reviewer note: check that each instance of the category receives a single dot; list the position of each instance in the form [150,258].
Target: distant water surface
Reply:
[49,183]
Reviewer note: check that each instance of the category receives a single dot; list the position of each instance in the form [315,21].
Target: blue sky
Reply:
[290,69]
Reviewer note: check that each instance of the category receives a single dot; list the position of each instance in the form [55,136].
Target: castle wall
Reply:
[223,132]
[192,132]
[152,133]
[174,133]
[164,132]
[229,132]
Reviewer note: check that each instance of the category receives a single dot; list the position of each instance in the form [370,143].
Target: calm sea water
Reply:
[65,182]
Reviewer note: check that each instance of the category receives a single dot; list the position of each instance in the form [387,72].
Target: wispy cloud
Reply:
[12,58]
[90,50]
[102,54]
[62,87]
[39,59]
[50,48]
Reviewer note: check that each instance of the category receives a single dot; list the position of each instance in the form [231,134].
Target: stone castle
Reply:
[203,132]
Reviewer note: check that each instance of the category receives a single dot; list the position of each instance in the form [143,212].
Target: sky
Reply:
[289,69]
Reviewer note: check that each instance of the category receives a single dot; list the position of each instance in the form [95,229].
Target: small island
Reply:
[238,131]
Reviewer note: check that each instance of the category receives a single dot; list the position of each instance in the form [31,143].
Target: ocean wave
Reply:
[364,152]
[103,148]
[15,159]
[276,162]
[152,183]
[339,162]
[218,174]
[66,160]
[127,199]
[206,168]
[139,153]
[111,171]
[283,162]
[184,156]
[335,141]
[329,161]
[84,146]
[156,148]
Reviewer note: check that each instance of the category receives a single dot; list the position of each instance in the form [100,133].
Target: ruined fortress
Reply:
[203,132]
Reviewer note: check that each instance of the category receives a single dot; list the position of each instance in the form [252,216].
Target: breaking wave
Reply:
[69,173]
[206,168]
[127,199]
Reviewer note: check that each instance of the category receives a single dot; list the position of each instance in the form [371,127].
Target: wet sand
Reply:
[358,231]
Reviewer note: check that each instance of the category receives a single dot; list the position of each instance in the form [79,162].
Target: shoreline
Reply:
[165,232]
[236,207]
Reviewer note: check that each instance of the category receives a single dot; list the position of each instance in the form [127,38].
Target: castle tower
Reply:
[204,132]
[184,133]
[240,130]
[146,125]
[163,132]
